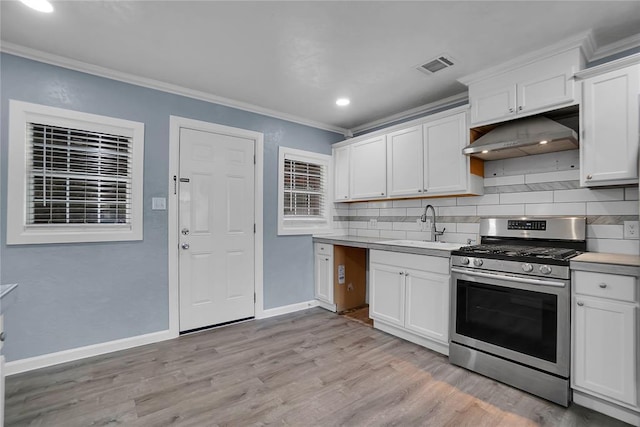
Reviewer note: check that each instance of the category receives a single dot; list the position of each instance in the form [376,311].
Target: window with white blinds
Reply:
[73,177]
[78,176]
[303,192]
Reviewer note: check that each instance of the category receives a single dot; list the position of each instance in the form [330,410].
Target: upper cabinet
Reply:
[539,85]
[368,165]
[609,123]
[404,161]
[417,159]
[341,156]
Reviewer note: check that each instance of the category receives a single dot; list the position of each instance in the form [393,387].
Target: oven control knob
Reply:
[545,269]
[464,260]
[527,268]
[477,262]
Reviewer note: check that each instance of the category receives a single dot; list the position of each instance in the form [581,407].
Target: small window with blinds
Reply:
[77,176]
[303,192]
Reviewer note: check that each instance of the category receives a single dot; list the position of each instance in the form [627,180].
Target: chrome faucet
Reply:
[434,232]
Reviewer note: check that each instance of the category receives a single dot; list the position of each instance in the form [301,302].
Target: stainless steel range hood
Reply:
[523,137]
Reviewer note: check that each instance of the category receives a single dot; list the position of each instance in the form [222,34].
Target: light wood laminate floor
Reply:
[310,368]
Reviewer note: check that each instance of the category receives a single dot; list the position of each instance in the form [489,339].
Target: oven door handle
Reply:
[510,278]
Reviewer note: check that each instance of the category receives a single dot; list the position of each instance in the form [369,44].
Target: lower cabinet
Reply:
[605,343]
[410,297]
[323,275]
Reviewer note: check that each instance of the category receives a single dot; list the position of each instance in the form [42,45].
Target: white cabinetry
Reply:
[605,342]
[446,170]
[410,297]
[421,158]
[404,161]
[323,256]
[341,157]
[368,168]
[537,86]
[609,124]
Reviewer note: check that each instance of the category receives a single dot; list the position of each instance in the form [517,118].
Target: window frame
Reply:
[18,231]
[299,226]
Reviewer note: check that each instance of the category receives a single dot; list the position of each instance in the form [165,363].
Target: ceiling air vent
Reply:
[437,64]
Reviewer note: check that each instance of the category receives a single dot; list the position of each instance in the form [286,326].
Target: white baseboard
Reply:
[608,408]
[37,362]
[285,309]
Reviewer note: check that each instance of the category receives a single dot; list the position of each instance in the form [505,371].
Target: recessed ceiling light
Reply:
[543,142]
[39,5]
[485,151]
[343,101]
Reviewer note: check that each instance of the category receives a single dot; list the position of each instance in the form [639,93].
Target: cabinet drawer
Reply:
[606,285]
[324,248]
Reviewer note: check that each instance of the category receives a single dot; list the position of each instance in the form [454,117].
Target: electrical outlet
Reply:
[631,229]
[373,223]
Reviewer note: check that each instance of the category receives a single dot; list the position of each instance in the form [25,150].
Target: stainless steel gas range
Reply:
[510,311]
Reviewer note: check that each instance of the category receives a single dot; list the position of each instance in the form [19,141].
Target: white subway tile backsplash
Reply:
[468,227]
[588,195]
[487,199]
[359,205]
[417,212]
[631,193]
[443,201]
[358,224]
[368,212]
[501,210]
[412,203]
[456,210]
[406,226]
[503,180]
[382,204]
[602,231]
[542,209]
[393,212]
[383,225]
[418,235]
[569,175]
[526,197]
[614,246]
[612,208]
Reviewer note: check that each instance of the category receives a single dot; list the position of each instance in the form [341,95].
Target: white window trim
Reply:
[18,232]
[300,225]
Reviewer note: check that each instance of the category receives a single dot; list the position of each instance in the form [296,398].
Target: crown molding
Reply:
[625,44]
[583,40]
[609,66]
[72,64]
[414,112]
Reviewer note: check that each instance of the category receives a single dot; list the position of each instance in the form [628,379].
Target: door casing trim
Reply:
[175,124]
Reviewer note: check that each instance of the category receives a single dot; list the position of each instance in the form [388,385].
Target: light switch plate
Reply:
[159,203]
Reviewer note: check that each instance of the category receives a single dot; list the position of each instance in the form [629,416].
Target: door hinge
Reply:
[254,159]
[254,297]
[254,228]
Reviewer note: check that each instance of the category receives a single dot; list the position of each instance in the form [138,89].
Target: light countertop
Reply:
[607,263]
[381,244]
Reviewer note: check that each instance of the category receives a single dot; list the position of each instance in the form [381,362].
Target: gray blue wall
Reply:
[74,295]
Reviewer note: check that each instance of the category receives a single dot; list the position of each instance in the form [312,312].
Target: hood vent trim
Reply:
[522,137]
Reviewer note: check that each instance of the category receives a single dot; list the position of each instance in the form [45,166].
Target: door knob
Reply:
[185,231]
[184,246]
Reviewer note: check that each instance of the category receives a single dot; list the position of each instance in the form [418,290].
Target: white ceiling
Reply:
[297,57]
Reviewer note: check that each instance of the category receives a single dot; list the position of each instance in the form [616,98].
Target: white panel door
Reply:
[610,121]
[445,167]
[216,223]
[387,293]
[324,277]
[404,162]
[604,354]
[368,171]
[427,310]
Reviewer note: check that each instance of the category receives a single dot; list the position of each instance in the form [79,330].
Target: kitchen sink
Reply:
[423,244]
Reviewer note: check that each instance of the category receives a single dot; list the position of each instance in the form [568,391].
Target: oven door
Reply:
[519,318]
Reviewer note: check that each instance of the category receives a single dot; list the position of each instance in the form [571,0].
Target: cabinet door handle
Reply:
[580,303]
[382,194]
[401,273]
[419,191]
[603,285]
[406,274]
[589,176]
[511,110]
[520,108]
